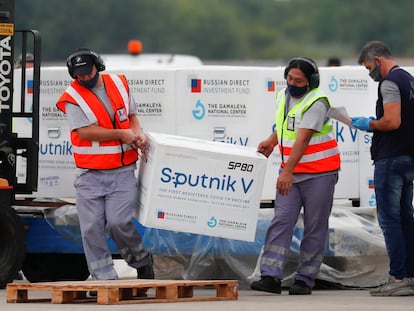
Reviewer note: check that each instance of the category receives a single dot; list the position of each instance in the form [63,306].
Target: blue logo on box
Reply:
[212,222]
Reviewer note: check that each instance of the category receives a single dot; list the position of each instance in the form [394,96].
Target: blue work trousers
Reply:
[393,181]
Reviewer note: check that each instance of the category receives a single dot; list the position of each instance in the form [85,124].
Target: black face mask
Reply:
[90,84]
[297,91]
[375,73]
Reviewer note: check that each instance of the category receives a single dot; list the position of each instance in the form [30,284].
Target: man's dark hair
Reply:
[374,48]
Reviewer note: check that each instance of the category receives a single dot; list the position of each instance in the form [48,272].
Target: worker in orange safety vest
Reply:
[106,136]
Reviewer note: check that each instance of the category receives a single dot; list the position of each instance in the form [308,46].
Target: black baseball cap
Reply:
[82,64]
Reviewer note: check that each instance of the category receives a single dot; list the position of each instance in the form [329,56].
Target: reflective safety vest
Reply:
[101,155]
[322,153]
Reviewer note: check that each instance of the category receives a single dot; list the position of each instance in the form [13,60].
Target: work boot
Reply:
[267,284]
[146,272]
[300,288]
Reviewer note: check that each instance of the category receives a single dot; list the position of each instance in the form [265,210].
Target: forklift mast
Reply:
[12,146]
[16,148]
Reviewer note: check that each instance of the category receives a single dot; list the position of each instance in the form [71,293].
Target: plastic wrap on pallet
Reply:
[355,253]
[193,256]
[65,221]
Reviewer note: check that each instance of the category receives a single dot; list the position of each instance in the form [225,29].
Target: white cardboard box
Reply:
[199,186]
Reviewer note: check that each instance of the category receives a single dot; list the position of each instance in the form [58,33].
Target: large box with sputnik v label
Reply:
[199,186]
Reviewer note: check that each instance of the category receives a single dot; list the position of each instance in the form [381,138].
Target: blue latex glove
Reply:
[362,123]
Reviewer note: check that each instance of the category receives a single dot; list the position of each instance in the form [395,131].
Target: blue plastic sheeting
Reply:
[43,238]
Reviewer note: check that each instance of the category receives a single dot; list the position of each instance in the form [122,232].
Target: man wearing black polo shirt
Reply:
[392,151]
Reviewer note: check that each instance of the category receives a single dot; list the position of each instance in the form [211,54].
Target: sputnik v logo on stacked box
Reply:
[220,183]
[213,190]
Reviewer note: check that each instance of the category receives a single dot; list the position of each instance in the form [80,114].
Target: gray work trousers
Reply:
[106,203]
[315,195]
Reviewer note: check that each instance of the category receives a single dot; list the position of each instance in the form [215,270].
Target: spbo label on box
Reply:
[200,186]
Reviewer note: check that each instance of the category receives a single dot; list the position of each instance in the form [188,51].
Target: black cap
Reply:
[82,64]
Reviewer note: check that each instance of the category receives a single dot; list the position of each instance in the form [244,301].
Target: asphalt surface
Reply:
[320,300]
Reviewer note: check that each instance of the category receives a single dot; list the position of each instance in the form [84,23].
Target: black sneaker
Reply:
[300,288]
[267,284]
[146,272]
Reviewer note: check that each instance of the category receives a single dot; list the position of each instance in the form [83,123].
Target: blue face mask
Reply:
[91,83]
[297,91]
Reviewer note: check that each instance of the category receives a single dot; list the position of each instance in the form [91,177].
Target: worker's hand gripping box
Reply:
[199,186]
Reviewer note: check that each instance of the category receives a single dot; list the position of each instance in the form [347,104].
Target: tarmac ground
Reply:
[320,300]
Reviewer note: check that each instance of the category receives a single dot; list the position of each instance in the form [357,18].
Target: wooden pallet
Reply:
[124,291]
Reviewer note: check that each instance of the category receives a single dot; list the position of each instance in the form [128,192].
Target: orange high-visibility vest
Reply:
[101,154]
[322,153]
